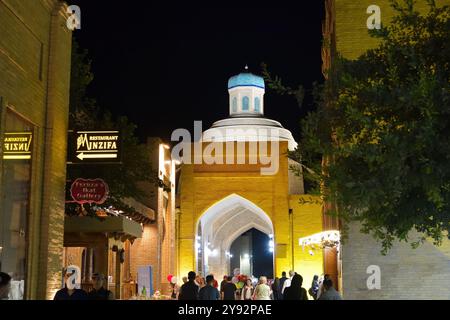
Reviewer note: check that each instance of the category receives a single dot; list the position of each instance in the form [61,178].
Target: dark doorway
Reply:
[251,252]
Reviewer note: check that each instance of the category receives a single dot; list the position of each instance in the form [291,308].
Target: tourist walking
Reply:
[189,290]
[69,292]
[99,292]
[287,282]
[200,281]
[321,281]
[228,290]
[247,290]
[262,290]
[329,292]
[276,289]
[209,292]
[282,280]
[314,287]
[224,280]
[295,290]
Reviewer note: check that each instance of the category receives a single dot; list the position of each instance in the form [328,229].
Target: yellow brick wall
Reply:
[307,221]
[35,48]
[201,188]
[352,36]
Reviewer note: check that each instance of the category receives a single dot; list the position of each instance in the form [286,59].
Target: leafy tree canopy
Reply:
[85,114]
[383,122]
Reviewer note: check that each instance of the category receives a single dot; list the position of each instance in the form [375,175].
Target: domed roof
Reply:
[246,79]
[248,129]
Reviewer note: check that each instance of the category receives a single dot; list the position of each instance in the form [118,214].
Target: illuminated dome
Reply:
[247,121]
[246,79]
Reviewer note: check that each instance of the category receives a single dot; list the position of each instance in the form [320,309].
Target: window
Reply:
[257,104]
[234,105]
[245,104]
[14,209]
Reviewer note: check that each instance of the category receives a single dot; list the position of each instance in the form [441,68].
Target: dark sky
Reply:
[165,67]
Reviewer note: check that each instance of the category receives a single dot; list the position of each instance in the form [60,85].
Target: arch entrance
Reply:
[219,226]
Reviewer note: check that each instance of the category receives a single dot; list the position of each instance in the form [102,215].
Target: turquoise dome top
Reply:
[246,79]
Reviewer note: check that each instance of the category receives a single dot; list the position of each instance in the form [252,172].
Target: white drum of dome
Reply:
[263,147]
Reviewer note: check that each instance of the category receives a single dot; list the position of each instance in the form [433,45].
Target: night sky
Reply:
[165,67]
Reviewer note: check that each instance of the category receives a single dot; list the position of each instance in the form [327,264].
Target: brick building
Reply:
[121,242]
[35,50]
[223,196]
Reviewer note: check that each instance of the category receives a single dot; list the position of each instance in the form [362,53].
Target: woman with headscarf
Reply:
[295,290]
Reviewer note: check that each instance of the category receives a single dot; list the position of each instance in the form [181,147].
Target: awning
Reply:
[121,226]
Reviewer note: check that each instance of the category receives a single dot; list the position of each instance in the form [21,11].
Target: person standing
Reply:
[329,292]
[224,280]
[175,291]
[247,290]
[287,282]
[5,285]
[321,289]
[228,290]
[282,280]
[189,290]
[276,289]
[99,292]
[209,292]
[314,287]
[295,290]
[69,292]
[262,290]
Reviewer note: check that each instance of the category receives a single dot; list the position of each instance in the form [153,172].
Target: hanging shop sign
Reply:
[17,145]
[89,191]
[94,147]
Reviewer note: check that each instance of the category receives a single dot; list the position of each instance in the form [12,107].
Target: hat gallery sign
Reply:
[89,191]
[17,145]
[94,147]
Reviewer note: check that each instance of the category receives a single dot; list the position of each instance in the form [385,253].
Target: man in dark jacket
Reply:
[282,280]
[228,290]
[99,292]
[70,292]
[189,290]
[208,292]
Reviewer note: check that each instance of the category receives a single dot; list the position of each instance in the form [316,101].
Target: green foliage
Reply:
[382,126]
[86,114]
[277,85]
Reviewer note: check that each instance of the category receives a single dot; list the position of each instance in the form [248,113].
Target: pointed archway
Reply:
[220,225]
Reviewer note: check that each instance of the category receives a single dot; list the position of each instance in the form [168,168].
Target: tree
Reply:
[86,114]
[384,121]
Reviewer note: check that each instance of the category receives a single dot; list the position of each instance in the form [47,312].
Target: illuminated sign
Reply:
[89,191]
[17,145]
[94,146]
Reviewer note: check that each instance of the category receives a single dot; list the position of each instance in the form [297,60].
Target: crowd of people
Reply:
[196,287]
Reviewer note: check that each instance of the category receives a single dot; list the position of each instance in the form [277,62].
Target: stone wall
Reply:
[406,273]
